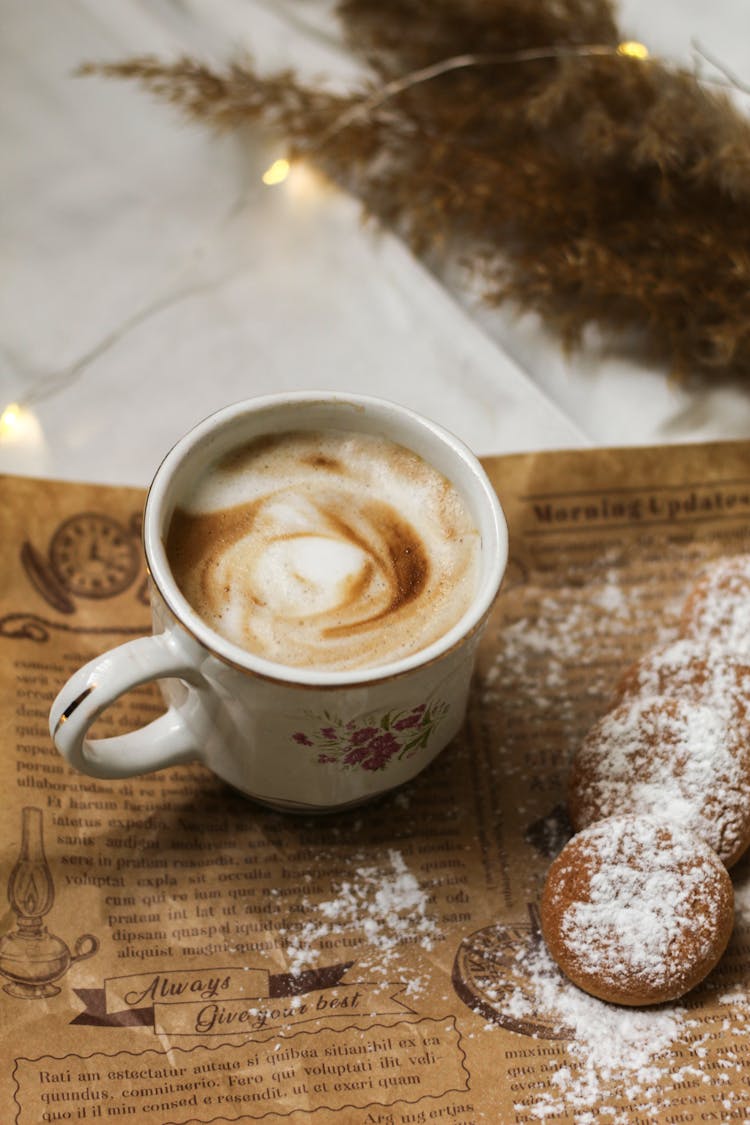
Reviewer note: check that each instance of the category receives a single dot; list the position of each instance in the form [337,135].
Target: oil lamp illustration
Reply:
[31,958]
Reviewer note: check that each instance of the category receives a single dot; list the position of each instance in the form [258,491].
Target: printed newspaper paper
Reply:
[173,953]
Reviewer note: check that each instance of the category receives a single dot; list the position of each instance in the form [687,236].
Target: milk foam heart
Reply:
[327,549]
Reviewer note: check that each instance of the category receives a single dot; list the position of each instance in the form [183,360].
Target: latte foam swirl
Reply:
[341,551]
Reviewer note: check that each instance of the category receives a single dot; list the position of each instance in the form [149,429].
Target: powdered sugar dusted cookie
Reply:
[637,911]
[718,608]
[695,672]
[683,762]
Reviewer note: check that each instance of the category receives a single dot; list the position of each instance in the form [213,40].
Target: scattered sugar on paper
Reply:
[610,1045]
[545,676]
[386,908]
[614,1052]
[652,1057]
[571,625]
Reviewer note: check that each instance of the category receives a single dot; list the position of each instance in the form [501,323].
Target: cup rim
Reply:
[238,657]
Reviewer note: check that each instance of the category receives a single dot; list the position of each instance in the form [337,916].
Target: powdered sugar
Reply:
[664,756]
[381,907]
[608,1044]
[558,647]
[619,1063]
[698,671]
[637,909]
[558,653]
[551,665]
[719,608]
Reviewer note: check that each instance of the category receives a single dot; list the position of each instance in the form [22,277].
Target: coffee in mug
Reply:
[322,566]
[325,549]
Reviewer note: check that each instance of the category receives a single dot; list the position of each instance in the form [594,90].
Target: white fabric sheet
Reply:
[150,277]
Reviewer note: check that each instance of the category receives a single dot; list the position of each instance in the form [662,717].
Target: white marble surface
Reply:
[150,277]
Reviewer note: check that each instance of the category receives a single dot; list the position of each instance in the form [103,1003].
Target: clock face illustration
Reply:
[93,556]
[493,973]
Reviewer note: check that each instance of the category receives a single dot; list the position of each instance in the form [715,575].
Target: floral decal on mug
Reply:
[373,742]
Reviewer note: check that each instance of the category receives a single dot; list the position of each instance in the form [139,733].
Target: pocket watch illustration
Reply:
[492,975]
[91,555]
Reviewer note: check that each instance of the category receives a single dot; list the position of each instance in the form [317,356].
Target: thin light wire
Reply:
[455,62]
[633,50]
[531,54]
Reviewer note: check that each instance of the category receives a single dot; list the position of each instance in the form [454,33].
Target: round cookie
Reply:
[636,911]
[677,760]
[718,607]
[695,672]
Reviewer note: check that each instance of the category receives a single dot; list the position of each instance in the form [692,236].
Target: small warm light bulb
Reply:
[276,173]
[633,50]
[10,417]
[19,427]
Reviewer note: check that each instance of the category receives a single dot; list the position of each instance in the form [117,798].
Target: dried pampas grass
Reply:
[591,187]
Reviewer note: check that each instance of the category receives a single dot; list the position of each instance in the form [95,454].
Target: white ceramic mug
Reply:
[291,737]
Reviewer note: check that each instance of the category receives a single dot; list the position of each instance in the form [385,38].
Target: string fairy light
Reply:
[629,49]
[19,426]
[632,49]
[10,419]
[279,170]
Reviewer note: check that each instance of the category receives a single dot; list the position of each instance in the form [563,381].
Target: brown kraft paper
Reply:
[202,959]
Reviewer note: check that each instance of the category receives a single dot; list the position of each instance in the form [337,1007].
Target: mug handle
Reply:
[167,741]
